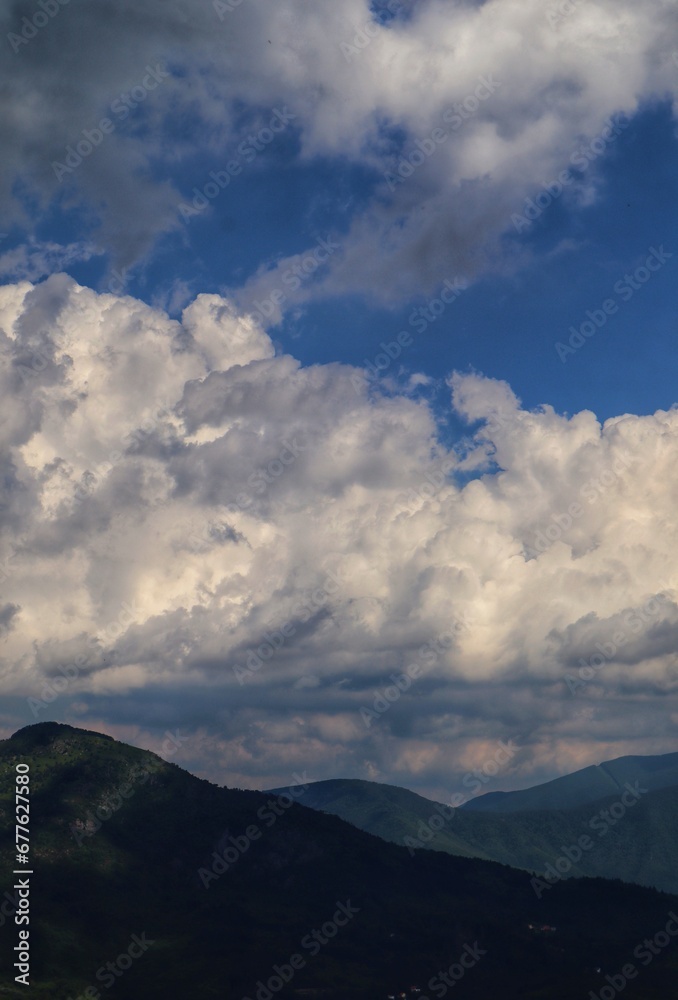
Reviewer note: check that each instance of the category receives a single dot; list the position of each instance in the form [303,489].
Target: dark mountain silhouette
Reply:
[151,883]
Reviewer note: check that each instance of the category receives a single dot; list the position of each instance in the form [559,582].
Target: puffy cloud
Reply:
[522,91]
[199,531]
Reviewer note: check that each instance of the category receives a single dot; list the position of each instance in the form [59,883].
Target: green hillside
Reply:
[226,885]
[395,814]
[641,847]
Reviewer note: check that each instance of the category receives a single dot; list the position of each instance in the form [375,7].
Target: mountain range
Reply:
[628,808]
[151,883]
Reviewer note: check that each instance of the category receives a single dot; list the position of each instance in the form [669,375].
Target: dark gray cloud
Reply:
[7,613]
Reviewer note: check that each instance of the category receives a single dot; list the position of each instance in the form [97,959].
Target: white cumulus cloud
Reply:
[179,501]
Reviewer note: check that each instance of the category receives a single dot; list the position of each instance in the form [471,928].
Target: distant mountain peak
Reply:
[585,785]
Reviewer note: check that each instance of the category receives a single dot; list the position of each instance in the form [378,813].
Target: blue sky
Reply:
[504,325]
[305,186]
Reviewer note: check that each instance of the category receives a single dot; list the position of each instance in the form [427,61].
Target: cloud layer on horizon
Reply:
[177,497]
